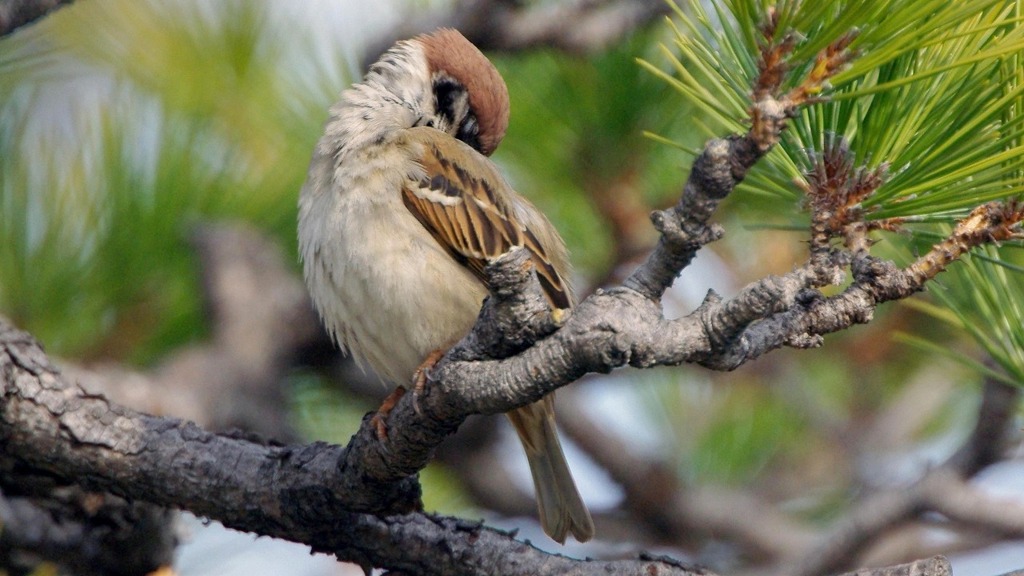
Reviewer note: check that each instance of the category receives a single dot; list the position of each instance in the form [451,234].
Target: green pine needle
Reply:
[936,91]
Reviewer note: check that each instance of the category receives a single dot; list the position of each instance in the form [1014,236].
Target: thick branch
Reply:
[90,534]
[295,492]
[261,317]
[171,459]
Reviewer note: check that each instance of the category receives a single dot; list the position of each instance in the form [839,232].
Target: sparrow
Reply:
[401,211]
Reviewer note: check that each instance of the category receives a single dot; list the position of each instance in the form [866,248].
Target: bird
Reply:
[401,211]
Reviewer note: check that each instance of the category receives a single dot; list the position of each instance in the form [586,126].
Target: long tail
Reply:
[558,501]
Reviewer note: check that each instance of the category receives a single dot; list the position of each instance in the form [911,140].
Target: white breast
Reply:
[383,285]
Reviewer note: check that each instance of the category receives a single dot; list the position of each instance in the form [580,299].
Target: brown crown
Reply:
[448,50]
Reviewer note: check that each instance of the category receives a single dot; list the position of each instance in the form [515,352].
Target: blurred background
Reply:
[151,154]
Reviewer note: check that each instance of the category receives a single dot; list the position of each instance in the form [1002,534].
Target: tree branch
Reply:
[91,534]
[261,318]
[292,492]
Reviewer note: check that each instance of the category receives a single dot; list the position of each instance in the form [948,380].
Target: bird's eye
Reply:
[469,132]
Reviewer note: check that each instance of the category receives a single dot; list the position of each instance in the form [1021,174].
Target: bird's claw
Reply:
[379,419]
[421,375]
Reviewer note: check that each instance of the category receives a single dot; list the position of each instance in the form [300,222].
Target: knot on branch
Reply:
[726,323]
[768,117]
[514,316]
[722,330]
[872,271]
[711,177]
[805,300]
[828,267]
[676,233]
[805,341]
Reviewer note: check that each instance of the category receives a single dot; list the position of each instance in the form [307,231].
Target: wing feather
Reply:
[466,205]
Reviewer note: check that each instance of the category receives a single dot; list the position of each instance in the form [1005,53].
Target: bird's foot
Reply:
[378,419]
[420,377]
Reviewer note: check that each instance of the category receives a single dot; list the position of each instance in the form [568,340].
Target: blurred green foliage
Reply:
[188,111]
[576,136]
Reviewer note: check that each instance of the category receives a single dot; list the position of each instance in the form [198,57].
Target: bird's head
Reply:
[452,87]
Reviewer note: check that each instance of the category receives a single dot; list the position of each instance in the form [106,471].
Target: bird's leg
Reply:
[378,419]
[419,377]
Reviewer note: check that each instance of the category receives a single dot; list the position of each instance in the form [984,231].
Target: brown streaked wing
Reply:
[463,202]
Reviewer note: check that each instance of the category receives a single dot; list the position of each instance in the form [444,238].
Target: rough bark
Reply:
[299,493]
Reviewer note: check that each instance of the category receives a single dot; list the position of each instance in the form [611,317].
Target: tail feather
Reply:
[559,503]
